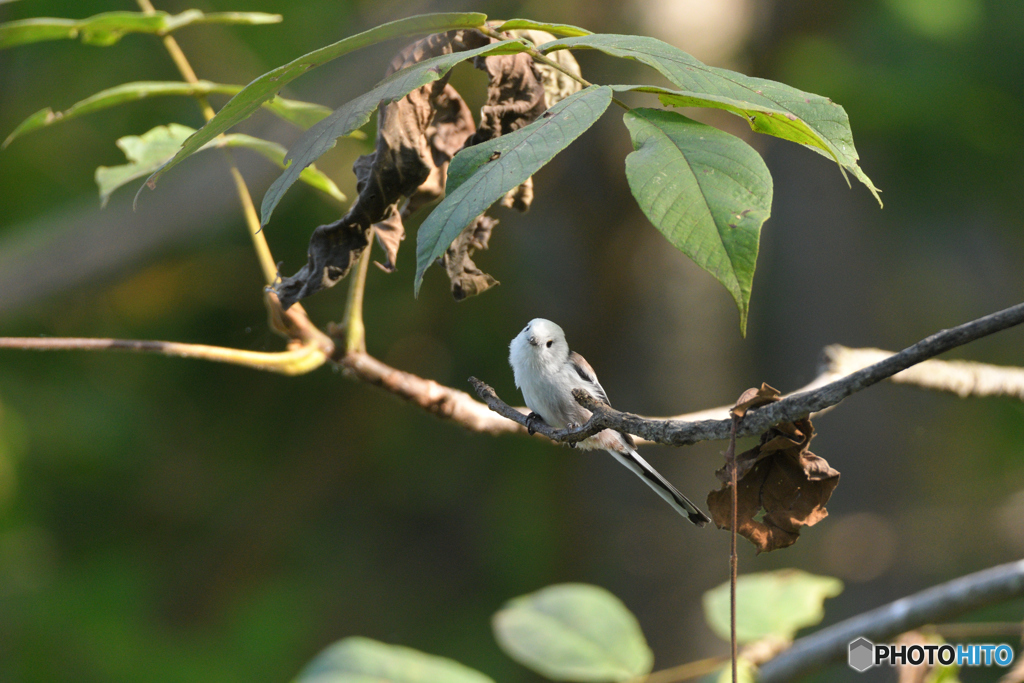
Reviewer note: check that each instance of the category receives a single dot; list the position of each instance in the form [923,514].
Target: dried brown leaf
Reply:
[466,278]
[557,84]
[390,232]
[754,398]
[515,95]
[415,136]
[779,477]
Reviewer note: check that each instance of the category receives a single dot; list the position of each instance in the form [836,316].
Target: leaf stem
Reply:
[544,59]
[352,323]
[252,220]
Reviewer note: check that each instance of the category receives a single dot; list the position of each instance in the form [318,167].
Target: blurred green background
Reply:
[172,520]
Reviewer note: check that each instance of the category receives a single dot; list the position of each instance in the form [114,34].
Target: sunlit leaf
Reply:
[109,27]
[302,114]
[768,106]
[557,29]
[353,114]
[482,174]
[276,153]
[148,151]
[775,603]
[266,86]
[144,152]
[573,632]
[707,191]
[361,660]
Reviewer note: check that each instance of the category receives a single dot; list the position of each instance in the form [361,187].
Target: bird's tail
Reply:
[661,486]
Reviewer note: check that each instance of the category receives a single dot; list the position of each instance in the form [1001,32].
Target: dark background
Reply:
[169,520]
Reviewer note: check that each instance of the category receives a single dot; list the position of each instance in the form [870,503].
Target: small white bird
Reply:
[546,371]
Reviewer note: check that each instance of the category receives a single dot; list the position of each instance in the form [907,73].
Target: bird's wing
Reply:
[586,373]
[661,486]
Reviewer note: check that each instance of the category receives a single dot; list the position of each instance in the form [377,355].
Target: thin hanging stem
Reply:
[252,220]
[733,556]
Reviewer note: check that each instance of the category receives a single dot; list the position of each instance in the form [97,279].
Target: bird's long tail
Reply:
[661,486]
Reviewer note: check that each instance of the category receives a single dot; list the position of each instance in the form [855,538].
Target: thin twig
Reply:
[684,672]
[259,241]
[792,408]
[884,623]
[298,360]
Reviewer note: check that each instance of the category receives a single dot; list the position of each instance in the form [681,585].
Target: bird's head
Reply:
[541,342]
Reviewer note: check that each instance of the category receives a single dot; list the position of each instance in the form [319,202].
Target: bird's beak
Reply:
[532,340]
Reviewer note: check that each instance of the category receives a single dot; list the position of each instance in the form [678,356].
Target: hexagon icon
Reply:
[862,655]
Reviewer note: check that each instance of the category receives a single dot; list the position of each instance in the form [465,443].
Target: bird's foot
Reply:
[531,421]
[572,425]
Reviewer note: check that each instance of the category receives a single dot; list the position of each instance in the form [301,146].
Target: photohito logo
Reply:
[864,654]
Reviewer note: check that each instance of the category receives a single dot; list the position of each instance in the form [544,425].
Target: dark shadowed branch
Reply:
[676,432]
[884,623]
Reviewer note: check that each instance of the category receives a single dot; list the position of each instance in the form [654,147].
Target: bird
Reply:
[546,372]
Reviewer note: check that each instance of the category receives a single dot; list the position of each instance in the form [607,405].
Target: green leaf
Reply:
[361,660]
[144,152]
[707,191]
[480,175]
[573,632]
[109,27]
[775,603]
[302,114]
[148,151]
[557,29]
[276,153]
[768,106]
[266,86]
[355,113]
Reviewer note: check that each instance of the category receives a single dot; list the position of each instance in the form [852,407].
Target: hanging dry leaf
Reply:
[779,476]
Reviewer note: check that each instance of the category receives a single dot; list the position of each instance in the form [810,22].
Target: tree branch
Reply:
[444,402]
[677,432]
[961,377]
[297,360]
[882,624]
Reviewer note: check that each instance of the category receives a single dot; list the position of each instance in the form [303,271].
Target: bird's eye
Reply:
[550,342]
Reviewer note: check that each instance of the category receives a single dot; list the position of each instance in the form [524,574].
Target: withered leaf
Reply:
[445,134]
[466,278]
[780,477]
[557,84]
[515,95]
[417,136]
[390,232]
[754,398]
